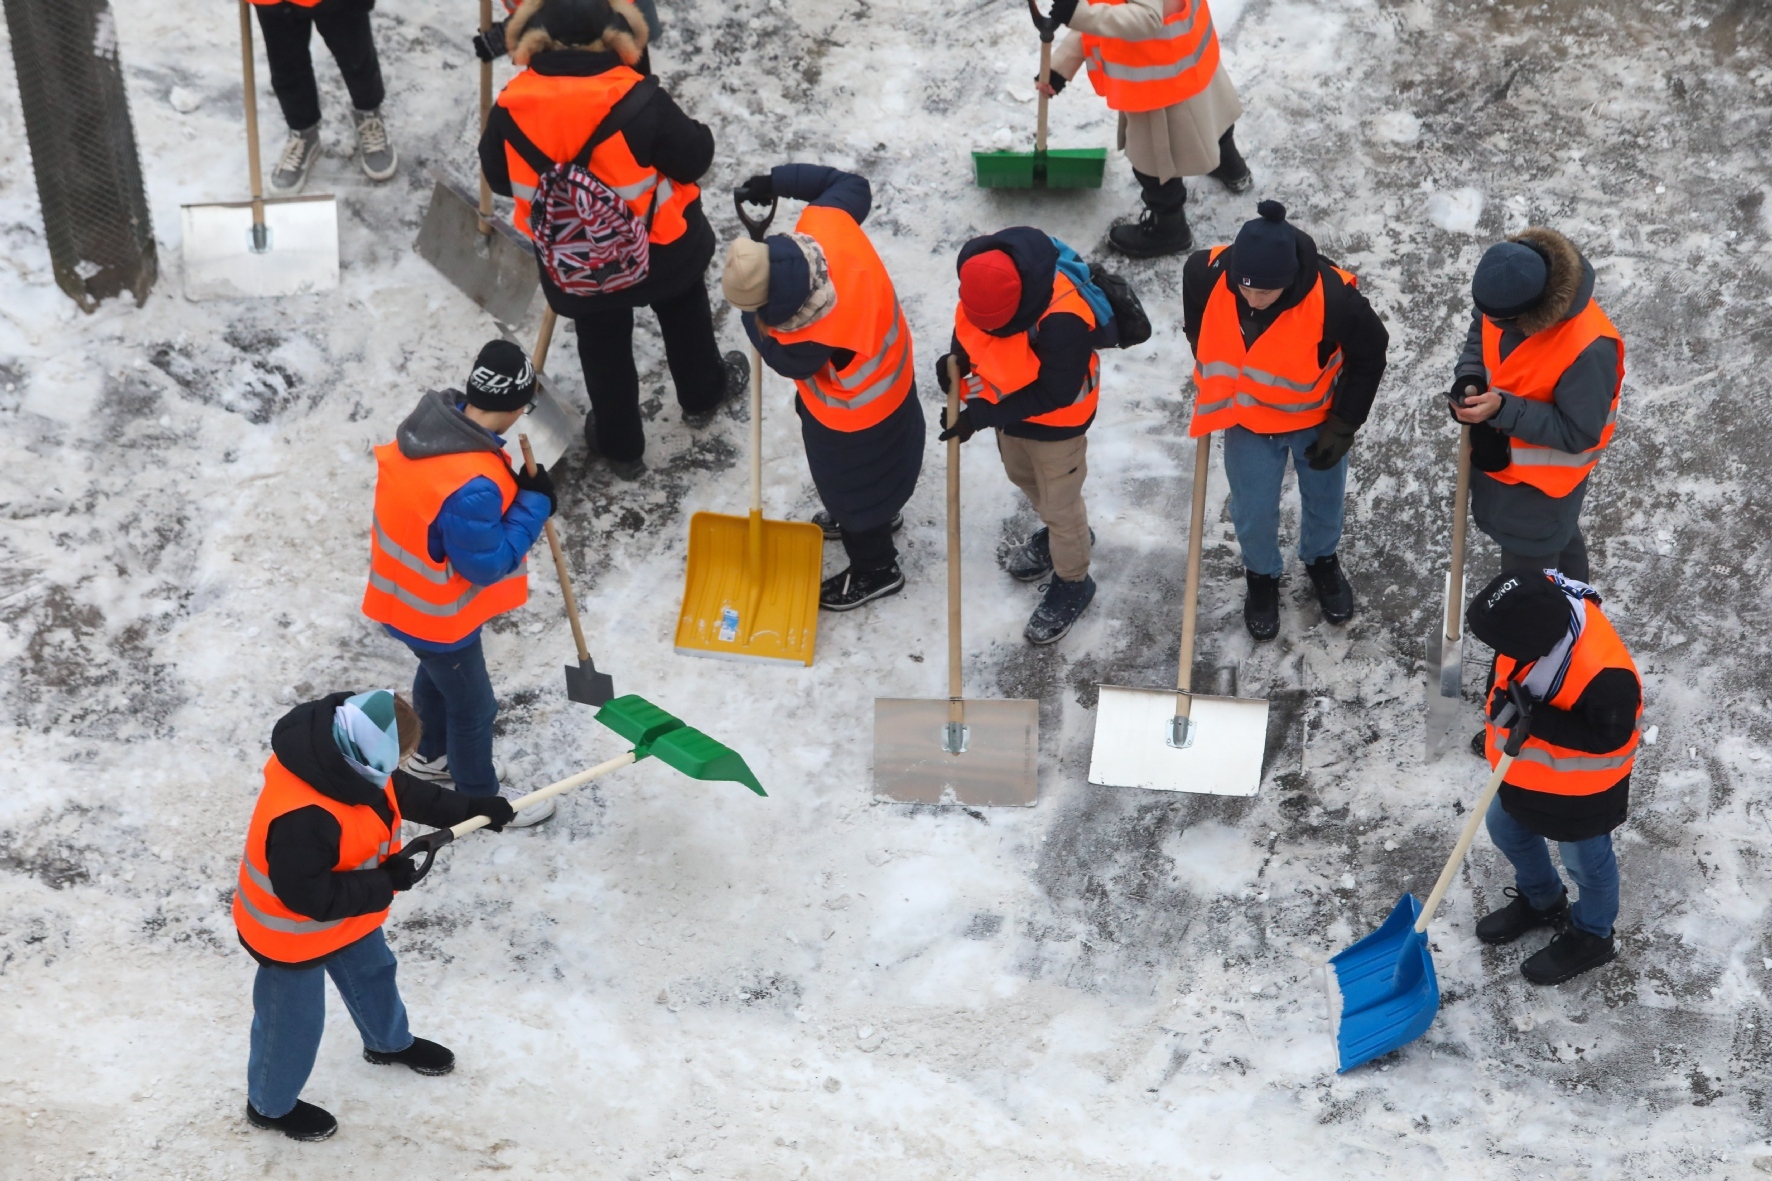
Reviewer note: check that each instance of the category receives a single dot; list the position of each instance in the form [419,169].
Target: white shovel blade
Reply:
[551,424]
[1132,749]
[300,256]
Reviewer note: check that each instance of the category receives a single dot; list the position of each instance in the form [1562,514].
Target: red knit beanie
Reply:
[990,289]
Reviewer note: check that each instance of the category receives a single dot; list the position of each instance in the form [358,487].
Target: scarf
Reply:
[824,293]
[364,729]
[1544,679]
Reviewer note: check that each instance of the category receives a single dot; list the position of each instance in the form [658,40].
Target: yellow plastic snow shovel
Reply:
[1445,648]
[1181,741]
[750,591]
[978,752]
[265,246]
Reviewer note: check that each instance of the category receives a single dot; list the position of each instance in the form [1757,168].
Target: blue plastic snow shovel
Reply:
[1382,991]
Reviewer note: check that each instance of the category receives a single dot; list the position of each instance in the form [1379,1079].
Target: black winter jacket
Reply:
[1600,722]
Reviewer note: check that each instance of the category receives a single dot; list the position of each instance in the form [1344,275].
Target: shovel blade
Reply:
[587,686]
[299,254]
[553,423]
[1383,992]
[1056,168]
[727,615]
[1445,680]
[998,766]
[496,269]
[1132,747]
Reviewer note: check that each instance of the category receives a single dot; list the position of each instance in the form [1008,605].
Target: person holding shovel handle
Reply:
[1156,62]
[322,864]
[449,548]
[1560,667]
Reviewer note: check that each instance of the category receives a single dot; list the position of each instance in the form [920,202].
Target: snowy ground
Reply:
[676,979]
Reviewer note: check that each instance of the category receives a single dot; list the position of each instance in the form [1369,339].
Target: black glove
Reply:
[759,190]
[401,871]
[496,809]
[540,482]
[941,370]
[490,45]
[962,427]
[1463,387]
[1055,80]
[1331,445]
[1490,451]
[1063,11]
[1510,707]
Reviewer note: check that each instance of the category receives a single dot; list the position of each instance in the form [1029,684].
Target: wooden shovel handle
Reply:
[956,711]
[1461,499]
[485,225]
[249,88]
[578,631]
[1045,79]
[1190,604]
[1464,843]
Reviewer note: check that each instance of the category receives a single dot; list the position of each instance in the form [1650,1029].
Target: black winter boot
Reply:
[422,1056]
[1261,605]
[1518,917]
[1153,235]
[304,1121]
[852,588]
[1032,559]
[1568,955]
[738,381]
[834,532]
[1480,744]
[1232,171]
[1334,595]
[1058,609]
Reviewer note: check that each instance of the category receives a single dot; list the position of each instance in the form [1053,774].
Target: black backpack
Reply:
[1131,323]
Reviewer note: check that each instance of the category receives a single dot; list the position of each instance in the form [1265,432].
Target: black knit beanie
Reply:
[1521,614]
[503,378]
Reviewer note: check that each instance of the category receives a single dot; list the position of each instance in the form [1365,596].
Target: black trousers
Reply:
[344,26]
[1167,197]
[1572,561]
[606,351]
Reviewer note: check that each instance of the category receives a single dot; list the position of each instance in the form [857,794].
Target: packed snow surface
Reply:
[675,979]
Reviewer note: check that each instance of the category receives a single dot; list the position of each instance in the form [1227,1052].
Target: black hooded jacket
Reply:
[301,847]
[1349,323]
[1064,344]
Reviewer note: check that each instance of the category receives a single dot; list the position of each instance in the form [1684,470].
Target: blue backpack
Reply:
[1120,320]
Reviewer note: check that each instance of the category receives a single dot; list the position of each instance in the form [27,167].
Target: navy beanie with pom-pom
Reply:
[1266,251]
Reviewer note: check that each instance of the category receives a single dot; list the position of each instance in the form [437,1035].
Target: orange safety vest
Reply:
[865,319]
[364,842]
[1159,72]
[1558,770]
[1532,371]
[1272,387]
[559,114]
[1003,364]
[297,3]
[409,590]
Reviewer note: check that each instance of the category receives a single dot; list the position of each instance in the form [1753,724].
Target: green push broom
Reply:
[1059,168]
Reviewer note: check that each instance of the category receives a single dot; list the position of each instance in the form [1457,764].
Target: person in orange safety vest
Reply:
[820,308]
[322,863]
[1539,384]
[1287,360]
[1565,699]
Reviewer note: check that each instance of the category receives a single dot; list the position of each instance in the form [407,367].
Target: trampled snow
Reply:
[674,979]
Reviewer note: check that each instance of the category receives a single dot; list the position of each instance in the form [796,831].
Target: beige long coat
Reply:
[1181,140]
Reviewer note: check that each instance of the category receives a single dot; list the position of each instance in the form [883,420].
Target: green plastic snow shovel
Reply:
[1042,168]
[653,733]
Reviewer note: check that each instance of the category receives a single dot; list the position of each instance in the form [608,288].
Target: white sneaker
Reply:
[531,815]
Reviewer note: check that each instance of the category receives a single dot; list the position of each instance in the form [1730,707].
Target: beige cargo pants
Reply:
[1051,475]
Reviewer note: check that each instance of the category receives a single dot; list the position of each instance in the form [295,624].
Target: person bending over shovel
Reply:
[1570,783]
[322,865]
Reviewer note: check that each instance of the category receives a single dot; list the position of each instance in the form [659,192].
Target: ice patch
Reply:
[1213,858]
[1397,127]
[1456,211]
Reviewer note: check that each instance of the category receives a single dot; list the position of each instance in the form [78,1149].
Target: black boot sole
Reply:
[374,1059]
[271,1125]
[1261,632]
[1145,252]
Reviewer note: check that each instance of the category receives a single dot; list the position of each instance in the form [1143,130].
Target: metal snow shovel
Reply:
[553,423]
[1057,168]
[1181,741]
[584,684]
[980,752]
[265,246]
[491,261]
[750,589]
[653,732]
[1445,648]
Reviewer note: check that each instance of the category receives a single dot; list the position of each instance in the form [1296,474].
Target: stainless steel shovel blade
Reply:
[496,270]
[1445,680]
[1135,742]
[997,761]
[587,686]
[295,253]
[552,424]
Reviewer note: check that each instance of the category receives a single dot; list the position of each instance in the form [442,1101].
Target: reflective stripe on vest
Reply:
[407,589]
[1531,372]
[1273,386]
[1160,71]
[865,319]
[1559,770]
[558,114]
[272,929]
[1003,364]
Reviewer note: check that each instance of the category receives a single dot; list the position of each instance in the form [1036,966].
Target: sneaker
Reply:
[1518,917]
[834,531]
[738,382]
[1334,594]
[422,1056]
[1059,608]
[852,588]
[304,1121]
[531,816]
[290,176]
[1261,605]
[379,158]
[1567,956]
[430,770]
[1032,559]
[1153,235]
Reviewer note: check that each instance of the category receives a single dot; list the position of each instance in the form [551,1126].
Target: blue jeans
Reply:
[1590,863]
[1255,465]
[289,1014]
[454,699]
